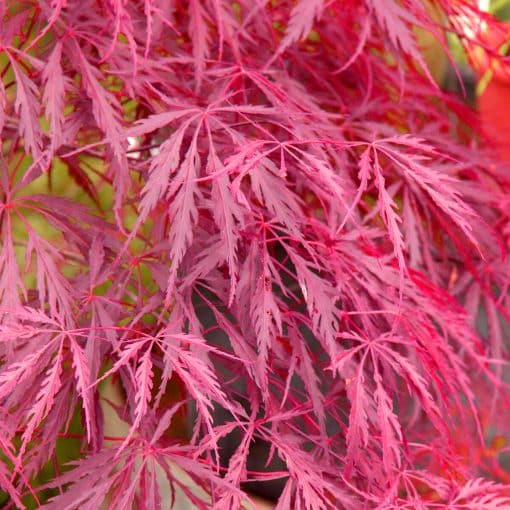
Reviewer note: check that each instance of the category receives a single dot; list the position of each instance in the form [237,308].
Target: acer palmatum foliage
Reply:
[290,171]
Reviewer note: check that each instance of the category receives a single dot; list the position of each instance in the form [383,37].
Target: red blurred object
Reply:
[494,101]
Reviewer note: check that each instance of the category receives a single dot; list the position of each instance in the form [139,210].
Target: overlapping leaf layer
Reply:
[267,208]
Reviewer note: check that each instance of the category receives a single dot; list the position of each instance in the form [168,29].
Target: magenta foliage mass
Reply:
[271,206]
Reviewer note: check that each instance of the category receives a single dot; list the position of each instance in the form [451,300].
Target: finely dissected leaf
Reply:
[357,435]
[199,33]
[395,19]
[196,374]
[7,486]
[90,479]
[391,434]
[52,287]
[320,299]
[10,277]
[162,168]
[54,95]
[103,102]
[82,375]
[436,184]
[27,106]
[143,375]
[183,210]
[229,218]
[250,243]
[479,493]
[266,317]
[301,20]
[236,472]
[271,191]
[46,396]
[387,210]
[22,371]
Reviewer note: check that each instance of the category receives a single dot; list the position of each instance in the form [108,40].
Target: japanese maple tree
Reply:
[264,218]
